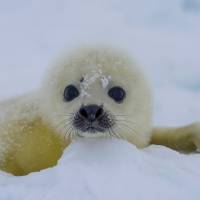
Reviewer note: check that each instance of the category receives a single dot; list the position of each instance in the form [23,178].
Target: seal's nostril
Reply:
[83,112]
[99,112]
[91,112]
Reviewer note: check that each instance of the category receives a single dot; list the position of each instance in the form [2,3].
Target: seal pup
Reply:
[92,92]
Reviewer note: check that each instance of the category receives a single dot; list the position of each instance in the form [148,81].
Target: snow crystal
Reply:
[93,76]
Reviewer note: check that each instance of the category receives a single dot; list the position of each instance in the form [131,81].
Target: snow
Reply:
[163,36]
[95,75]
[110,169]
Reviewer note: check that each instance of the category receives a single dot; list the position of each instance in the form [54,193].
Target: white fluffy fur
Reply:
[103,68]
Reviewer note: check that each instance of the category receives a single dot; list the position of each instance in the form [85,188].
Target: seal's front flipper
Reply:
[184,139]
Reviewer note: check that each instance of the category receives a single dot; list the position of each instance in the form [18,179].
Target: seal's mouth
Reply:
[93,119]
[93,129]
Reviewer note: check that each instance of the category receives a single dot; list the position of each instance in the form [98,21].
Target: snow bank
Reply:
[110,169]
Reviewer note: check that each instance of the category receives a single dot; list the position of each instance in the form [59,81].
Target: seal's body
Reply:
[27,144]
[92,92]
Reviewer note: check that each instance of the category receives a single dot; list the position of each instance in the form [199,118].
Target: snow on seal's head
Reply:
[98,92]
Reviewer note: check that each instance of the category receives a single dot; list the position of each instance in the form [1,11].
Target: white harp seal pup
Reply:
[92,92]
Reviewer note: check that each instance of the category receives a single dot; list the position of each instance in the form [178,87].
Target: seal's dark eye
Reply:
[70,93]
[117,93]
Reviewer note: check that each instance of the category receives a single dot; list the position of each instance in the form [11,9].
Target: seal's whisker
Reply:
[61,125]
[131,131]
[125,120]
[63,114]
[115,134]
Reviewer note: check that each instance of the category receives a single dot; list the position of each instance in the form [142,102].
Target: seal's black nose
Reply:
[91,112]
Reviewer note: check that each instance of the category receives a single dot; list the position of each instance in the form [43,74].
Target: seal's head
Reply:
[98,92]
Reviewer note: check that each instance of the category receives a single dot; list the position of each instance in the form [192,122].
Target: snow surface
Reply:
[163,36]
[110,169]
